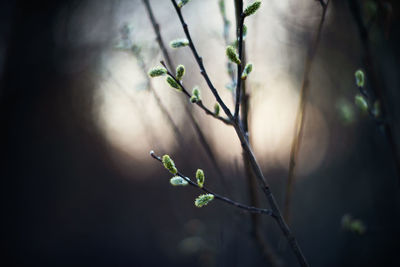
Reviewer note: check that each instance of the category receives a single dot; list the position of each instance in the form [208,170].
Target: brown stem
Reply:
[301,113]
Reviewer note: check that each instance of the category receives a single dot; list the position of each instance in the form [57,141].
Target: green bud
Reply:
[376,110]
[353,225]
[216,109]
[177,43]
[252,8]
[361,102]
[200,177]
[182,3]
[180,71]
[178,181]
[169,164]
[360,78]
[247,69]
[174,84]
[157,71]
[232,55]
[195,95]
[221,4]
[203,200]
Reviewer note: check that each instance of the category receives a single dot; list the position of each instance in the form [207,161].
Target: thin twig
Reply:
[199,61]
[156,28]
[217,196]
[301,113]
[246,147]
[239,66]
[198,103]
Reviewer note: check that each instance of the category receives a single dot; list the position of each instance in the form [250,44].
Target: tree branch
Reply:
[239,66]
[219,197]
[199,61]
[198,103]
[301,113]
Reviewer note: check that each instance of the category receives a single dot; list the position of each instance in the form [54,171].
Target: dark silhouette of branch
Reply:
[377,85]
[199,61]
[239,30]
[247,149]
[301,113]
[219,197]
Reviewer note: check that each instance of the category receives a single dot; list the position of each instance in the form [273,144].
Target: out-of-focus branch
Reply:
[301,113]
[377,85]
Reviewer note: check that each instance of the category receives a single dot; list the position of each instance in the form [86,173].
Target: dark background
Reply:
[64,201]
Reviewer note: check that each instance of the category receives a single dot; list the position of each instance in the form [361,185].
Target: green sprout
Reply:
[178,181]
[177,43]
[180,72]
[247,69]
[174,84]
[216,109]
[169,164]
[252,8]
[157,71]
[360,78]
[353,225]
[203,200]
[182,3]
[232,55]
[200,177]
[195,95]
[361,102]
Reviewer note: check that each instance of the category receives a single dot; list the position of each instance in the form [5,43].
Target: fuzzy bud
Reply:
[180,71]
[177,43]
[361,102]
[232,55]
[252,8]
[200,177]
[182,3]
[169,164]
[178,181]
[195,95]
[360,78]
[247,69]
[244,32]
[157,71]
[173,83]
[203,200]
[216,109]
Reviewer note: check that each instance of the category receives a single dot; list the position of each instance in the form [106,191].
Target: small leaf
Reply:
[180,72]
[376,110]
[252,8]
[247,69]
[195,95]
[178,181]
[361,102]
[232,55]
[177,43]
[169,164]
[174,84]
[200,177]
[203,200]
[157,71]
[216,109]
[360,78]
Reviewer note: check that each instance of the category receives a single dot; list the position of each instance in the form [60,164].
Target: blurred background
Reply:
[80,116]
